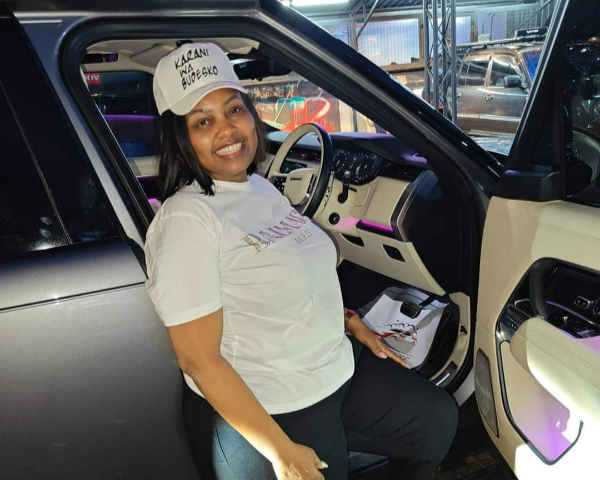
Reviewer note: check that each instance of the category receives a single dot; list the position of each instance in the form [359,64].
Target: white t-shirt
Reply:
[273,272]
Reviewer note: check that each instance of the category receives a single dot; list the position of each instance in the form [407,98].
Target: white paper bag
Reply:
[410,338]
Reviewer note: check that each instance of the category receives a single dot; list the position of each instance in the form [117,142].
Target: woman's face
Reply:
[223,135]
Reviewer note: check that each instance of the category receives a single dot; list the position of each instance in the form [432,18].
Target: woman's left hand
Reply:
[357,328]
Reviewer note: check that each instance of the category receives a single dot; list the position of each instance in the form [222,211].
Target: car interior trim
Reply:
[511,323]
[561,231]
[404,203]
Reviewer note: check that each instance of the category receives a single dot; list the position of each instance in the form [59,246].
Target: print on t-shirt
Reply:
[292,222]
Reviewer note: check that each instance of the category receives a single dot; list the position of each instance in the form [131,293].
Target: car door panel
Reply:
[544,399]
[94,389]
[20,287]
[568,368]
[89,384]
[501,107]
[549,427]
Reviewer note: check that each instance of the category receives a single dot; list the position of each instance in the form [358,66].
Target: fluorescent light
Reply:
[313,3]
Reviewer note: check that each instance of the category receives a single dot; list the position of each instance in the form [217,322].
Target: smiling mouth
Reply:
[230,149]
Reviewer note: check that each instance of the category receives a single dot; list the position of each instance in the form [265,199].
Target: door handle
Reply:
[488,97]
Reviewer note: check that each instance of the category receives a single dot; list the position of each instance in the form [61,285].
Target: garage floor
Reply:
[472,456]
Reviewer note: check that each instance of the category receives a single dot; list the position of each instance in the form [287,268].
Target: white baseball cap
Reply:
[189,73]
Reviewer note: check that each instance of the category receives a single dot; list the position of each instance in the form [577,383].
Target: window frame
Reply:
[57,235]
[472,57]
[535,111]
[327,69]
[62,163]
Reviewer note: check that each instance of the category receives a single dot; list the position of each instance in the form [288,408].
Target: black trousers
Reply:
[384,409]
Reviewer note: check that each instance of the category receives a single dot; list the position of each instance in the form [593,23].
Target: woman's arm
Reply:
[197,348]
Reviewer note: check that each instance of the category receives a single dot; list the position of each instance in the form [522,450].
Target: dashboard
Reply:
[364,156]
[369,156]
[362,166]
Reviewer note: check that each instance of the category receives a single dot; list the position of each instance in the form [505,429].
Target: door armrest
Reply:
[567,367]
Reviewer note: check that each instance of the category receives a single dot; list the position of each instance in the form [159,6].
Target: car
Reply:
[90,385]
[494,81]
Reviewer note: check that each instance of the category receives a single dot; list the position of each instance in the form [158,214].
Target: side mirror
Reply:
[513,81]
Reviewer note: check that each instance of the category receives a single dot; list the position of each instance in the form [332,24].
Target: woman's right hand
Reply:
[298,462]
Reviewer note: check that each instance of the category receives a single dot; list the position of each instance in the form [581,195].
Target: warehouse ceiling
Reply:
[355,6]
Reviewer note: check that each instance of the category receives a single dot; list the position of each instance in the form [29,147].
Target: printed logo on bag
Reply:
[292,222]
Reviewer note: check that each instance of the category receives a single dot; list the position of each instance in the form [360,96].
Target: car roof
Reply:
[108,6]
[483,48]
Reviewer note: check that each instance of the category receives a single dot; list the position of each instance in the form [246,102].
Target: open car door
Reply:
[537,345]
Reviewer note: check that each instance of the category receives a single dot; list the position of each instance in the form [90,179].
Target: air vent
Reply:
[401,171]
[484,392]
[303,154]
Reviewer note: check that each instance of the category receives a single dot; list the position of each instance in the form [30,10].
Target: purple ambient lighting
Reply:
[153,201]
[129,118]
[376,226]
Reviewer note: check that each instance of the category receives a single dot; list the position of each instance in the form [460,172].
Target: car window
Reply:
[28,221]
[49,194]
[125,100]
[503,66]
[287,102]
[532,60]
[285,105]
[579,97]
[461,71]
[473,72]
[580,72]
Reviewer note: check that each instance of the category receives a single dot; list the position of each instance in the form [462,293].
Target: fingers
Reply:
[384,352]
[379,349]
[319,463]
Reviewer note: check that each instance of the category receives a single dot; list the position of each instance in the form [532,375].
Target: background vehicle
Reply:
[90,385]
[494,81]
[494,84]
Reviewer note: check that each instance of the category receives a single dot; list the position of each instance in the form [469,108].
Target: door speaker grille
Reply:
[484,392]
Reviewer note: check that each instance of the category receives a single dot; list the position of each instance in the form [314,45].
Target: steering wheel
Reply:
[305,188]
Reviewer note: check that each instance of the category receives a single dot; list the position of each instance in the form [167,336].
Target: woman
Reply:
[248,290]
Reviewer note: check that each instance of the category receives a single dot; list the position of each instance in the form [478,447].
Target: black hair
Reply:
[179,166]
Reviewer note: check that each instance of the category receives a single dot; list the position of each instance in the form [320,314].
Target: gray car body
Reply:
[493,109]
[90,385]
